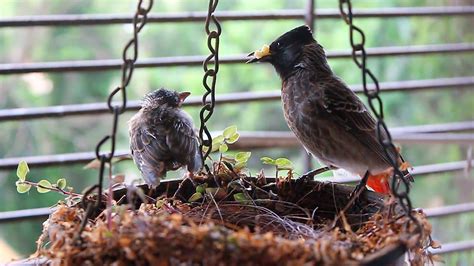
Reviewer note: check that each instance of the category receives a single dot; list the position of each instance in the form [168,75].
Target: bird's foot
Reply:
[189,177]
[354,196]
[311,174]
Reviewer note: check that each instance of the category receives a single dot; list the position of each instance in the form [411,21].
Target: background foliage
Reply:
[81,133]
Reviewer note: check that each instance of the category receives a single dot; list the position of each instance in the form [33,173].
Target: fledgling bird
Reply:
[162,136]
[326,116]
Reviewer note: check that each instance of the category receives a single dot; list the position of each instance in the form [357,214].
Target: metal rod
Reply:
[241,97]
[196,60]
[309,15]
[454,247]
[425,138]
[53,160]
[417,171]
[435,128]
[11,216]
[449,210]
[108,19]
[248,140]
[286,139]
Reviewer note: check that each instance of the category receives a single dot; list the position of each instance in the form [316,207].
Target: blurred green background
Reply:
[81,133]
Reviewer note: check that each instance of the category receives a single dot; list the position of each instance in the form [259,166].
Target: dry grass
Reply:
[280,224]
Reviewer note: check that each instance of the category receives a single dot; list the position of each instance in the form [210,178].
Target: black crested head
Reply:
[286,51]
[161,97]
[301,35]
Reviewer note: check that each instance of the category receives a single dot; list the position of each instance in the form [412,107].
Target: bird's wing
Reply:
[183,142]
[348,110]
[150,152]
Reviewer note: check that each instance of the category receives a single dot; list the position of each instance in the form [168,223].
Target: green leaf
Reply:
[215,147]
[44,185]
[240,165]
[267,160]
[284,163]
[216,143]
[241,197]
[61,183]
[229,131]
[22,170]
[242,156]
[223,148]
[233,138]
[195,197]
[217,140]
[160,203]
[21,187]
[201,188]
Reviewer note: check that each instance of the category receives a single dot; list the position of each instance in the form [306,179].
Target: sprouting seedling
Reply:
[228,136]
[203,191]
[43,186]
[279,163]
[200,190]
[241,159]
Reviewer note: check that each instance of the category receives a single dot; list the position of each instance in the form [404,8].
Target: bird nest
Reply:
[233,219]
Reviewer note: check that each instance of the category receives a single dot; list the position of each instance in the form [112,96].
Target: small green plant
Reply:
[280,164]
[221,143]
[229,136]
[242,198]
[43,186]
[241,159]
[210,192]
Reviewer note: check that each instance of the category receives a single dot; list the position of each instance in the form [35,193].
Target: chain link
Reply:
[210,72]
[129,57]
[359,56]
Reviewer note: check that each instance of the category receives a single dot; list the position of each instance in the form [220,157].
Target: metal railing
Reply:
[440,133]
[111,64]
[240,97]
[109,19]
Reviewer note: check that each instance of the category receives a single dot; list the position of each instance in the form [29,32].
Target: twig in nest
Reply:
[217,206]
[349,204]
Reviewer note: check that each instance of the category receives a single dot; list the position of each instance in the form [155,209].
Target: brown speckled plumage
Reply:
[162,137]
[329,120]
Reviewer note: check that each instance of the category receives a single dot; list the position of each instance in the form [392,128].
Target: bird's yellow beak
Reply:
[259,54]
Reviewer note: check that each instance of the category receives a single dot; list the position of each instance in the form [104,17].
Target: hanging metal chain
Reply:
[359,55]
[129,57]
[210,71]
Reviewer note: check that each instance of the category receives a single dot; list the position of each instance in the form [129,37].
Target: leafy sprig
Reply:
[43,186]
[279,163]
[221,142]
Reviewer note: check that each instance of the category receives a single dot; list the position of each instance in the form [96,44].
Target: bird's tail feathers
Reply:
[196,164]
[151,175]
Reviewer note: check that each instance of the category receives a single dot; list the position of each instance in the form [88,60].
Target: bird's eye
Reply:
[278,45]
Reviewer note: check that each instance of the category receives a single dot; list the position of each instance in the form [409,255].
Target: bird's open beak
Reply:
[182,96]
[262,55]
